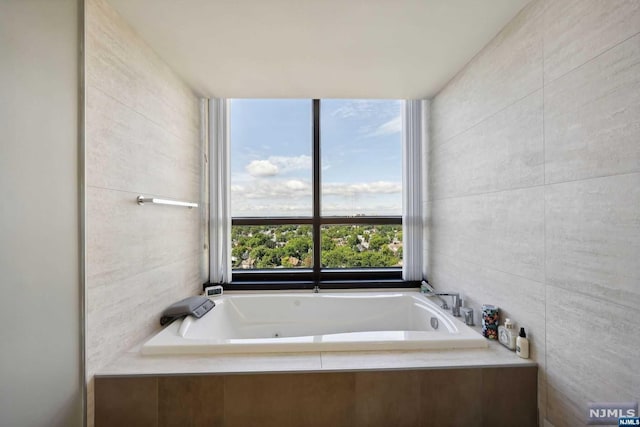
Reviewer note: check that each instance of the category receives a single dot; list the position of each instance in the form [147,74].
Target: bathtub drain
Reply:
[434,322]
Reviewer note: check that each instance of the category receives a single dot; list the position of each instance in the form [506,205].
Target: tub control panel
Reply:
[213,291]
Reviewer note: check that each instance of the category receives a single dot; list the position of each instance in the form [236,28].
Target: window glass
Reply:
[271,246]
[272,188]
[361,246]
[361,144]
[271,142]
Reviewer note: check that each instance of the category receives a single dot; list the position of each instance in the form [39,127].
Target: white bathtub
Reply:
[294,322]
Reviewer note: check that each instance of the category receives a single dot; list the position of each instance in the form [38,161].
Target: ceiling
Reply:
[317,48]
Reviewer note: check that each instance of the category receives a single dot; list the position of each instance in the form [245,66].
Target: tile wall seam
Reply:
[448,140]
[132,32]
[489,268]
[592,59]
[593,297]
[224,399]
[591,178]
[487,193]
[140,272]
[143,115]
[544,219]
[156,380]
[504,190]
[479,53]
[135,192]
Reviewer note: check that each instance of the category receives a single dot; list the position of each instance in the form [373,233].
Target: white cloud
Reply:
[297,185]
[287,164]
[350,209]
[378,187]
[358,107]
[366,108]
[277,196]
[388,128]
[373,112]
[276,165]
[262,168]
[297,188]
[261,188]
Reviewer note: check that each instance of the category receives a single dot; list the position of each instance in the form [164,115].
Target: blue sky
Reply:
[361,157]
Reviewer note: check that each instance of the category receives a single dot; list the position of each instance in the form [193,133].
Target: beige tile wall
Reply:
[534,194]
[142,137]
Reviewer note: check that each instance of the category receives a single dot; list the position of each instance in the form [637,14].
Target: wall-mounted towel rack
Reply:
[158,201]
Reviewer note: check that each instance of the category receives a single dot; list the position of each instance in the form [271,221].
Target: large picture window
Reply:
[316,190]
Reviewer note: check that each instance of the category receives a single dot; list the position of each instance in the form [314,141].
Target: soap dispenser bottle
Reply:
[507,334]
[522,345]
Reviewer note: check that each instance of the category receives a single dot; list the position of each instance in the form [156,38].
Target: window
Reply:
[316,190]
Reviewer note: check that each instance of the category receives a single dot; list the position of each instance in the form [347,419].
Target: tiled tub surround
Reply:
[534,194]
[473,387]
[142,138]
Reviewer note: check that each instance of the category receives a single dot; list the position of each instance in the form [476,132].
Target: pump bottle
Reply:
[522,345]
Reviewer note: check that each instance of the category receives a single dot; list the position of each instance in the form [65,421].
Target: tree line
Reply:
[291,246]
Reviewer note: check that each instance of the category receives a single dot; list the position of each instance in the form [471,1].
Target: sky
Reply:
[361,157]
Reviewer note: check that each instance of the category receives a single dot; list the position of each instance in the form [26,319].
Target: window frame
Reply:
[309,278]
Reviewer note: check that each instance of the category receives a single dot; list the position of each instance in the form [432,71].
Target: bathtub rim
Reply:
[169,343]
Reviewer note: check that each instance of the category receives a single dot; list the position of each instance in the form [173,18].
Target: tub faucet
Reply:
[456,303]
[429,291]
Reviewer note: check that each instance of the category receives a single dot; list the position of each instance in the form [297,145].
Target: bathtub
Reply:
[299,322]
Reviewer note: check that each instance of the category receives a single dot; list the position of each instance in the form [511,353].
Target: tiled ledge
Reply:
[133,363]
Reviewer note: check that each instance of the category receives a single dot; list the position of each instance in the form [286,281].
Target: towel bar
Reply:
[158,201]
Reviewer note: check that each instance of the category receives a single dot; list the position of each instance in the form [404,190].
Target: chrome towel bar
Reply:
[158,201]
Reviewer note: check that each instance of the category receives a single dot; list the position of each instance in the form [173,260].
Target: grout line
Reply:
[538,185]
[488,267]
[544,220]
[157,382]
[589,60]
[140,272]
[596,298]
[82,213]
[481,52]
[153,121]
[483,120]
[487,192]
[200,202]
[123,26]
[593,178]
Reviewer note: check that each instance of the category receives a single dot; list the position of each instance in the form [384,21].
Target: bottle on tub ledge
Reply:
[507,334]
[490,320]
[522,344]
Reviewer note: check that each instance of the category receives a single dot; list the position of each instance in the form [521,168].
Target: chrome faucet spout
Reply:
[456,303]
[429,291]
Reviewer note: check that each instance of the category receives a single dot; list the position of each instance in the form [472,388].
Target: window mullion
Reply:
[316,192]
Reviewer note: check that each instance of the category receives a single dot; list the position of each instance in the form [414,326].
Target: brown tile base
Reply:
[444,397]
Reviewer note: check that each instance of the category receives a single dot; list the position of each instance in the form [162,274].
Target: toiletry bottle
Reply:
[490,319]
[522,345]
[507,334]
